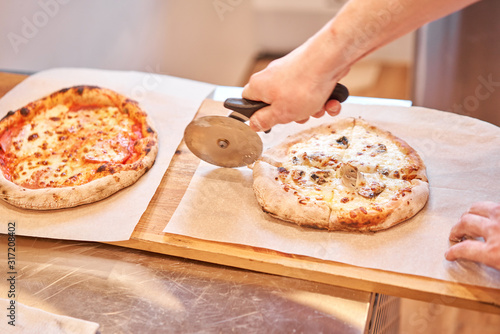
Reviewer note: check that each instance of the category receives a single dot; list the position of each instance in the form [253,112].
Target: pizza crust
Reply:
[282,204]
[279,199]
[118,176]
[405,206]
[59,198]
[419,170]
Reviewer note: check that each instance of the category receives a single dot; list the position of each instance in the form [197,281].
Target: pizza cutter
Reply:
[355,180]
[227,141]
[351,177]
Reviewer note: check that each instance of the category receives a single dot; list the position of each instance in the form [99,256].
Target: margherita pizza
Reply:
[347,175]
[75,146]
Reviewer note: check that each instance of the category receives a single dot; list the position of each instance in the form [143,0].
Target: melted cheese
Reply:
[370,152]
[63,148]
[346,199]
[312,171]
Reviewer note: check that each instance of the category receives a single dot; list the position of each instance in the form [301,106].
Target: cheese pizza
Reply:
[347,175]
[73,147]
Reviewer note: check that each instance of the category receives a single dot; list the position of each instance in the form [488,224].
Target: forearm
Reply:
[363,26]
[297,85]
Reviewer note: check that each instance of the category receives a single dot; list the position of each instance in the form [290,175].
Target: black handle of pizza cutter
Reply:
[247,107]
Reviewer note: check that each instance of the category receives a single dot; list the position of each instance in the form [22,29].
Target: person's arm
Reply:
[297,85]
[482,220]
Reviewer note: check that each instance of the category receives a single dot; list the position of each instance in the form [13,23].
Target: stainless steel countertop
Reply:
[131,291]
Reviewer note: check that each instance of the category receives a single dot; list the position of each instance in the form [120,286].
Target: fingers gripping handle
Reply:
[247,108]
[244,107]
[340,93]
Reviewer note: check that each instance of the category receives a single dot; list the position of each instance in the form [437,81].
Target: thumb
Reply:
[246,92]
[262,120]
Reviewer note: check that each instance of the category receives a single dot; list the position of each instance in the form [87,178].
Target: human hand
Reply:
[296,87]
[482,220]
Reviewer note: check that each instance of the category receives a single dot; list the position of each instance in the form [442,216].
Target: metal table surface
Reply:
[132,291]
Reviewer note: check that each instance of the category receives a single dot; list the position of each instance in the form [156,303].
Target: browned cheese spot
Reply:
[33,137]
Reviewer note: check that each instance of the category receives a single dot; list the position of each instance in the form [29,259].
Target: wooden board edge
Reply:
[321,271]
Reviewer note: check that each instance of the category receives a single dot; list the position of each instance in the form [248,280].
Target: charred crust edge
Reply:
[24,111]
[10,113]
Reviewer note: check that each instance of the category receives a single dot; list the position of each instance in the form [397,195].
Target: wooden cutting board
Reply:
[148,236]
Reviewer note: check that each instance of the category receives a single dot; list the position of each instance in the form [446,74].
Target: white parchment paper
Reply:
[462,156]
[34,320]
[171,103]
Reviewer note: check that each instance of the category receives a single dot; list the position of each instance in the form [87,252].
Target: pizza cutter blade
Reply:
[357,181]
[226,141]
[223,141]
[351,177]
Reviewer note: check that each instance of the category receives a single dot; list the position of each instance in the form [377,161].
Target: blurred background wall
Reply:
[213,41]
[456,63]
